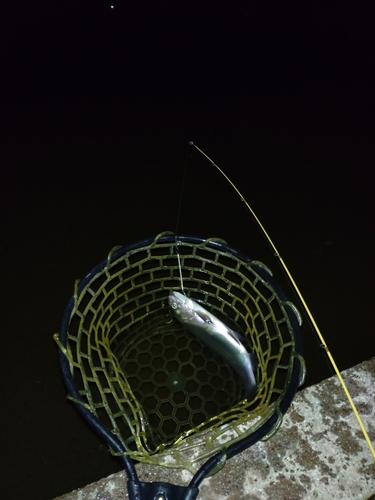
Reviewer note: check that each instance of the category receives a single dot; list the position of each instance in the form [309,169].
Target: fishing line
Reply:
[178,220]
[179,265]
[307,310]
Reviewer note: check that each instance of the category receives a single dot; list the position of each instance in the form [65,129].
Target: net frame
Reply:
[131,285]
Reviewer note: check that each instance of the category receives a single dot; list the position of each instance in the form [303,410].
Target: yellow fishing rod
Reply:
[308,312]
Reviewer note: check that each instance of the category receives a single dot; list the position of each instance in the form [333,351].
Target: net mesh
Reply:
[155,385]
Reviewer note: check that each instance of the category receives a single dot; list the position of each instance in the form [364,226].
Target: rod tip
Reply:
[191,143]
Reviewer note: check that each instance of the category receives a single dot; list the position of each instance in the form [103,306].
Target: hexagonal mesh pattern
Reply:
[160,390]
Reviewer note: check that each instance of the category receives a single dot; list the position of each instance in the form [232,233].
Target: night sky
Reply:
[97,106]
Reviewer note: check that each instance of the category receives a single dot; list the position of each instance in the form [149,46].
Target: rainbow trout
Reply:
[223,341]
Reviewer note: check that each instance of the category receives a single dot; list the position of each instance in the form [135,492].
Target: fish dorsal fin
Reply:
[253,361]
[236,335]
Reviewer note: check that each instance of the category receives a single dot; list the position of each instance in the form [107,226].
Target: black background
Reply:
[97,108]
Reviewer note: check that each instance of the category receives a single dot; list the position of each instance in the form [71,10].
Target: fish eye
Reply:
[174,305]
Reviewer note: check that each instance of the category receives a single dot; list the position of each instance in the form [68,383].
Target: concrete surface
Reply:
[319,452]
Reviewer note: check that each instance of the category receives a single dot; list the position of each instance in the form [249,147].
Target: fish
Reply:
[222,340]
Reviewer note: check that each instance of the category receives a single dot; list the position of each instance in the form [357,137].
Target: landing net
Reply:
[159,390]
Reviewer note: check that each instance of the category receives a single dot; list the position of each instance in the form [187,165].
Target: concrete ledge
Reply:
[318,453]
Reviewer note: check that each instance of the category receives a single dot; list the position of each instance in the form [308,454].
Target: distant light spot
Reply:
[112,6]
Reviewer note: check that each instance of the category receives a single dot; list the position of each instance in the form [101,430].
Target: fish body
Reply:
[223,341]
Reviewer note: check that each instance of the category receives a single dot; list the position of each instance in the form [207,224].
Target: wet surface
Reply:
[97,112]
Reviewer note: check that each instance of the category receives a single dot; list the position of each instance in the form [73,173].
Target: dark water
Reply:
[97,114]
